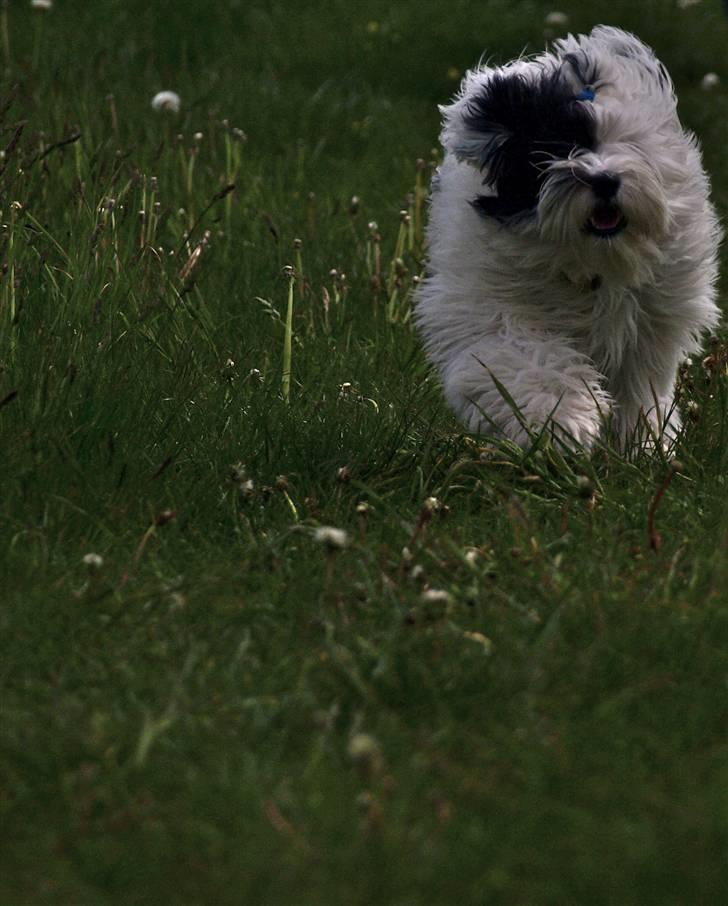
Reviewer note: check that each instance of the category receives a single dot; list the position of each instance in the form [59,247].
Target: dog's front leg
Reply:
[645,412]
[517,386]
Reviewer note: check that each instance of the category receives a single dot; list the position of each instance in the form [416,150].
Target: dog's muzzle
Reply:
[607,218]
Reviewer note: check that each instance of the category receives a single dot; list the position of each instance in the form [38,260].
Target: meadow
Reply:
[274,629]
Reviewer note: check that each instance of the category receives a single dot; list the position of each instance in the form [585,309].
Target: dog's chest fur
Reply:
[609,323]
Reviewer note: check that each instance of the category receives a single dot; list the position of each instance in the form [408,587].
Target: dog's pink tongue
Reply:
[606,220]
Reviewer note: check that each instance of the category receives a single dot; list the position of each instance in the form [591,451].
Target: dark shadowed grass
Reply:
[510,684]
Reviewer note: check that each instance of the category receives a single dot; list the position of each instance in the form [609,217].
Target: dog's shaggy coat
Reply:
[572,246]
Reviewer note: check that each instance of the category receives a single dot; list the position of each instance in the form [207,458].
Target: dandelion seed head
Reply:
[167,100]
[332,538]
[41,4]
[710,81]
[93,561]
[556,19]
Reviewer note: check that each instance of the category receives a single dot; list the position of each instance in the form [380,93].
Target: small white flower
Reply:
[93,561]
[332,538]
[167,100]
[710,80]
[41,4]
[557,19]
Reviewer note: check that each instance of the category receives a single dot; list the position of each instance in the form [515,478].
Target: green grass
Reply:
[226,710]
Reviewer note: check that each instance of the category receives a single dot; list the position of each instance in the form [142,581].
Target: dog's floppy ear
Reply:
[476,126]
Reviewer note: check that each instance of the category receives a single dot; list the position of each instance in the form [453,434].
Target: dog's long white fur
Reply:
[518,304]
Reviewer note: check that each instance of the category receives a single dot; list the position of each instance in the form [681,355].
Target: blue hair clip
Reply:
[586,94]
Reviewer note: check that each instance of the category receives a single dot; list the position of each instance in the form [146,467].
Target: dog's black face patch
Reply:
[526,124]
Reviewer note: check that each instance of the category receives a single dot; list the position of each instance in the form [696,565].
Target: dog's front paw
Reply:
[573,420]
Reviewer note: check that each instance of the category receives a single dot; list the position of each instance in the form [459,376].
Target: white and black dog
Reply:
[572,245]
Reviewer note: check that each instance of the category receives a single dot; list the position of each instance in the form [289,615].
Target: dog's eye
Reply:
[586,94]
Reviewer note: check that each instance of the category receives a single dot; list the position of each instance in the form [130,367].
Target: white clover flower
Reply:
[710,80]
[41,4]
[93,561]
[557,19]
[333,538]
[167,100]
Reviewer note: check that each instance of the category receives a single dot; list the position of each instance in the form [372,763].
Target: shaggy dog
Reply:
[572,246]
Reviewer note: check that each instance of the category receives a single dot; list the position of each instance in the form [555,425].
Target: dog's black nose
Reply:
[605,185]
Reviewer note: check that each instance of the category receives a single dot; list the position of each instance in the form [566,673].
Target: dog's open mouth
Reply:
[606,220]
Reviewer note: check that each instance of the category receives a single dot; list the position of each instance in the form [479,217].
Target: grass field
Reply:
[510,685]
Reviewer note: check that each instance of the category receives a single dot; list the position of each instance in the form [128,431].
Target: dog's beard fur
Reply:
[572,244]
